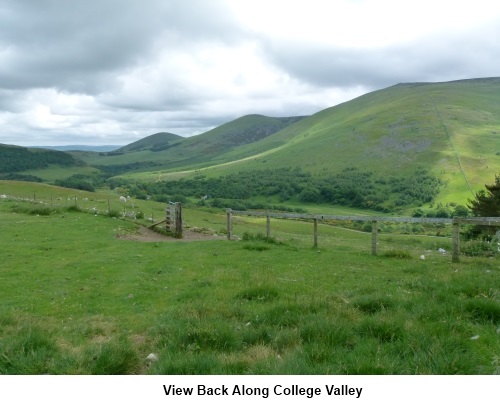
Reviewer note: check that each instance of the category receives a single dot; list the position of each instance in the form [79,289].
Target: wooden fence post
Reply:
[229,224]
[374,237]
[178,220]
[456,242]
[315,233]
[168,218]
[268,226]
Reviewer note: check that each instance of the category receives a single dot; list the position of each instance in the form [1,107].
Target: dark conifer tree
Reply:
[487,202]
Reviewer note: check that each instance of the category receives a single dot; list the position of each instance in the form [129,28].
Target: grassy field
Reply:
[75,299]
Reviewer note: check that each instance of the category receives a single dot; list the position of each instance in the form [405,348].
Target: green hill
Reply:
[155,143]
[451,129]
[171,151]
[14,159]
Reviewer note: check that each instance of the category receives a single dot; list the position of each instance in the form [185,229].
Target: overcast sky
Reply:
[114,71]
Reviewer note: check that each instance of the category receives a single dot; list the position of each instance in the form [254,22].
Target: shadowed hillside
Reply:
[16,158]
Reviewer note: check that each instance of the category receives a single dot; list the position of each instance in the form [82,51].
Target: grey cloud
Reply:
[449,57]
[81,45]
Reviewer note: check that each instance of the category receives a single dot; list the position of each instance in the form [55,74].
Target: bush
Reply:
[247,236]
[461,211]
[398,254]
[113,214]
[479,248]
[36,210]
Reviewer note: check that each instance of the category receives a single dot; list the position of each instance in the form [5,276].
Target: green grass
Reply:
[53,172]
[78,300]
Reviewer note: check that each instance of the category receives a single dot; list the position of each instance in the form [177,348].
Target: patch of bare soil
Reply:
[144,234]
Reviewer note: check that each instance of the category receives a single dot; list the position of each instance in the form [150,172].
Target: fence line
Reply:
[455,222]
[86,203]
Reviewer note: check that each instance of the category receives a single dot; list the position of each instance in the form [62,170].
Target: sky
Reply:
[110,72]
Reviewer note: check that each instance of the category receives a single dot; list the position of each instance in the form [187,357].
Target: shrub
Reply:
[247,236]
[478,248]
[74,208]
[36,210]
[397,253]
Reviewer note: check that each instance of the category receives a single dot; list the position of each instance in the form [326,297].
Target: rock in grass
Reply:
[152,357]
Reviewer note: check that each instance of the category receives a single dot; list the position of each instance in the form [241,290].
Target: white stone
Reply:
[152,357]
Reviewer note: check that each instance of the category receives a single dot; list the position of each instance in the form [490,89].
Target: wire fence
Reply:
[116,206]
[374,220]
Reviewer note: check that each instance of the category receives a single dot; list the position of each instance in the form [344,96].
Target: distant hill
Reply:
[154,143]
[87,148]
[166,150]
[17,159]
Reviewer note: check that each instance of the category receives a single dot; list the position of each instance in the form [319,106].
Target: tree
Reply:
[487,202]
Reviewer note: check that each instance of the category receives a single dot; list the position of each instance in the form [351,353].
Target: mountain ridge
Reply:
[451,129]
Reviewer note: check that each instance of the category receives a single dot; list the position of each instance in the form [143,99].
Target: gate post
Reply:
[178,220]
[268,226]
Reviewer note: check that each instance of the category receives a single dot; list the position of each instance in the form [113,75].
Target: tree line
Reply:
[351,187]
[16,159]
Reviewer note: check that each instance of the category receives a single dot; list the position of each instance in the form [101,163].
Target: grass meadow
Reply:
[75,299]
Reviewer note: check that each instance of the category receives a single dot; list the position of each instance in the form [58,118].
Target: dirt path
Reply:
[144,234]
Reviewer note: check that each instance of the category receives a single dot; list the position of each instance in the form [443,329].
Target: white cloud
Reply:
[103,72]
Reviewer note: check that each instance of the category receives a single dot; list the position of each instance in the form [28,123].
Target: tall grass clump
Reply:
[397,254]
[116,357]
[258,293]
[41,210]
[259,237]
[371,304]
[483,310]
[30,352]
[74,208]
[478,248]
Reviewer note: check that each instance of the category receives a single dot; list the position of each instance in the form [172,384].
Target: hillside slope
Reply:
[451,129]
[154,143]
[17,159]
[201,149]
